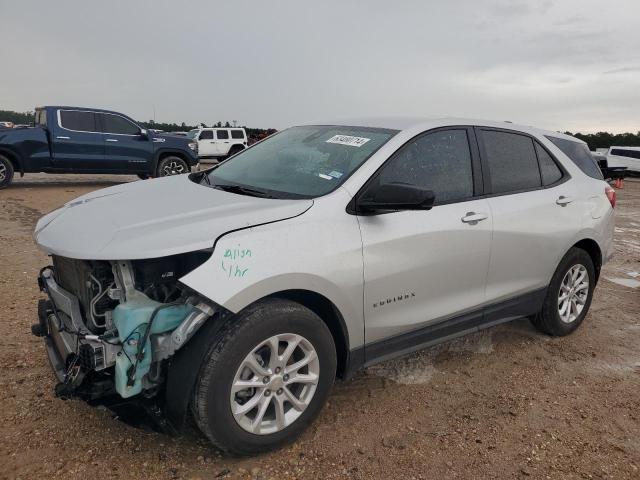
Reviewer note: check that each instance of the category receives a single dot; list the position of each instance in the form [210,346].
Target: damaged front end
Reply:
[112,330]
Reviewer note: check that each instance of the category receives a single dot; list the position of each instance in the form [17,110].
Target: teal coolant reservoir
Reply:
[131,319]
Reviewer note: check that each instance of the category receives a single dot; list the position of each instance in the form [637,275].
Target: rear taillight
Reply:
[611,195]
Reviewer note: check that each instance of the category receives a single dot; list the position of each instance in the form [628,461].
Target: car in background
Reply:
[219,143]
[6,124]
[628,157]
[88,140]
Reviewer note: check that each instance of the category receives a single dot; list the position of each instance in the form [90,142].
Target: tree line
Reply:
[29,117]
[594,140]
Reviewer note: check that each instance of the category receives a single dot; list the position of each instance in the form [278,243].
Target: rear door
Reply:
[423,267]
[78,144]
[223,143]
[125,149]
[535,212]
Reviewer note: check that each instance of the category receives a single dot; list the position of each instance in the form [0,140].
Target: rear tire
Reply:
[6,171]
[218,400]
[172,165]
[568,297]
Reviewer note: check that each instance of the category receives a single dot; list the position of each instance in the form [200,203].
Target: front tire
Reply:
[6,171]
[568,296]
[265,378]
[172,165]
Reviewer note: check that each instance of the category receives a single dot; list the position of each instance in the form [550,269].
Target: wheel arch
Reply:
[14,158]
[330,315]
[590,246]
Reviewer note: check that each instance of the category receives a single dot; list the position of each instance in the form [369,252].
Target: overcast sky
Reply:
[562,65]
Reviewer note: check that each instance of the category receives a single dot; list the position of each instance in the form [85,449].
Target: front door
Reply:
[423,267]
[77,142]
[125,149]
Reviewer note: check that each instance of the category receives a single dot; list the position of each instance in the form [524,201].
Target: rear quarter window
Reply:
[237,134]
[78,120]
[579,154]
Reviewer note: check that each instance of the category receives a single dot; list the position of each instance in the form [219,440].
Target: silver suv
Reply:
[238,294]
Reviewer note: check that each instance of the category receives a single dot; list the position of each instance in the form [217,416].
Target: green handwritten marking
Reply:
[232,268]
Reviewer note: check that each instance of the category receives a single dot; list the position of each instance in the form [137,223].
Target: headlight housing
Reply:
[193,146]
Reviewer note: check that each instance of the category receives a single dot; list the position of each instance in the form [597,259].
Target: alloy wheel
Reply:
[3,172]
[274,384]
[173,168]
[574,290]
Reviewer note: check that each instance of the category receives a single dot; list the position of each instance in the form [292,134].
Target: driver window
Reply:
[438,161]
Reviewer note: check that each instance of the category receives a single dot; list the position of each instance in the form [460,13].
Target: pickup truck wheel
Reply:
[265,378]
[6,171]
[172,166]
[568,296]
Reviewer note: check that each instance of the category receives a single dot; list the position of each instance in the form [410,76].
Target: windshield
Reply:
[192,133]
[300,162]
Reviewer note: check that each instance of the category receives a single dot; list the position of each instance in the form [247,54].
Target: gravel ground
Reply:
[506,403]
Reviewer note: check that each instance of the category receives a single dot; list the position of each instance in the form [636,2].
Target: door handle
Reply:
[564,201]
[111,140]
[62,138]
[472,218]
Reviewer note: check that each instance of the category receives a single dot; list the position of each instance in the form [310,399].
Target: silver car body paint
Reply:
[428,263]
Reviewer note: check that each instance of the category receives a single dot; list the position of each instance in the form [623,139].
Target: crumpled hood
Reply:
[154,218]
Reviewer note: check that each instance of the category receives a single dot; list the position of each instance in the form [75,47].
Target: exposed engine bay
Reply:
[111,327]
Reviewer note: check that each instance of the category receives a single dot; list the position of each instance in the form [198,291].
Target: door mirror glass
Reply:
[397,196]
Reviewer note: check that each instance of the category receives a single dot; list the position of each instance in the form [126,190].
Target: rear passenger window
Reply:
[513,165]
[206,135]
[579,154]
[79,121]
[223,134]
[438,161]
[237,134]
[550,171]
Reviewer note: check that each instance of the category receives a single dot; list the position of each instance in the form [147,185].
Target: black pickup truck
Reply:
[89,140]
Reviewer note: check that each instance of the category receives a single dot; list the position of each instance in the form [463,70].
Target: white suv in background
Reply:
[237,294]
[219,143]
[628,157]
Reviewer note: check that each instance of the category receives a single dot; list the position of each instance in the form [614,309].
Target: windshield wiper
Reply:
[243,191]
[205,177]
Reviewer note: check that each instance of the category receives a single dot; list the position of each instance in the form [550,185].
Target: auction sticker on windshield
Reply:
[348,140]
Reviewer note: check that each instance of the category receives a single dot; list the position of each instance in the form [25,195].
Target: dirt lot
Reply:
[507,403]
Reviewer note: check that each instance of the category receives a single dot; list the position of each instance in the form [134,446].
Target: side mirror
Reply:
[144,133]
[397,196]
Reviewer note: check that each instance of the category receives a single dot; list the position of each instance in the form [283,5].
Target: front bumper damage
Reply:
[117,369]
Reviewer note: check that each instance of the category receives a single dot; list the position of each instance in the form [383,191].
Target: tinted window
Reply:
[81,121]
[439,161]
[223,134]
[206,135]
[551,173]
[513,165]
[237,134]
[118,125]
[579,154]
[626,153]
